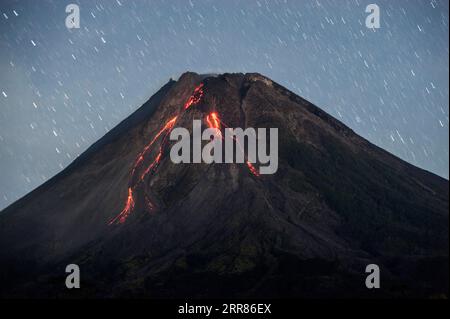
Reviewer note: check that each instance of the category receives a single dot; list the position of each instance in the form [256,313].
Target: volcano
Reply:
[139,225]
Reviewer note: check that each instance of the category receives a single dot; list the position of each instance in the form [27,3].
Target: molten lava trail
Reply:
[195,98]
[250,166]
[129,205]
[167,127]
[153,165]
[213,121]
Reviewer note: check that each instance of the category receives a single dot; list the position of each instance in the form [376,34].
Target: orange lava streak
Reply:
[195,97]
[168,126]
[129,205]
[152,165]
[126,210]
[214,122]
[252,168]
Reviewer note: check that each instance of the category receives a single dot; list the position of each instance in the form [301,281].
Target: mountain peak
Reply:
[336,204]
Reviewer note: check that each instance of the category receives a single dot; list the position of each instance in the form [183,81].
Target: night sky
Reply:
[62,89]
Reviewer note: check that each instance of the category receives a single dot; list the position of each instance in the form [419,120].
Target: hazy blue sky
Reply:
[61,89]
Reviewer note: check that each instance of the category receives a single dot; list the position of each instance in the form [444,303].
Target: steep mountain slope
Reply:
[139,225]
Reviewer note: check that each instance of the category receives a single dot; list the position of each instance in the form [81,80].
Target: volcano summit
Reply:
[139,225]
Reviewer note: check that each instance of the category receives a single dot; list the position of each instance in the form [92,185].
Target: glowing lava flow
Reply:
[213,123]
[195,97]
[213,120]
[126,210]
[153,165]
[168,126]
[252,168]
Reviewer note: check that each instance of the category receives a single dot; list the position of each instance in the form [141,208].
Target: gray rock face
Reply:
[139,225]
